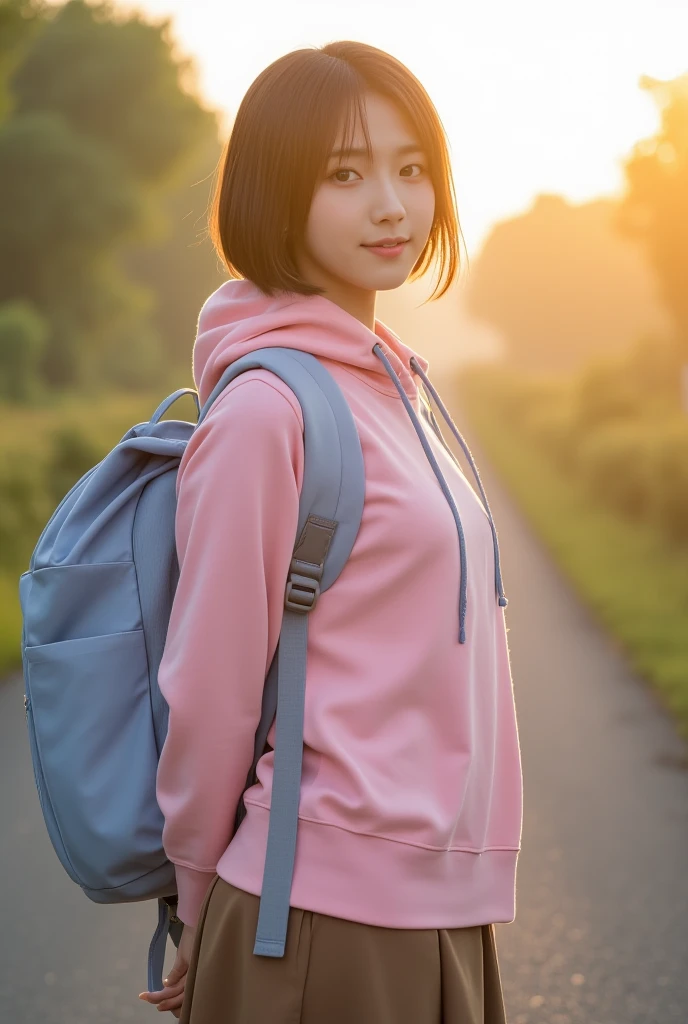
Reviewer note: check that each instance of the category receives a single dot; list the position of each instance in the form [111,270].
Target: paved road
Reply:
[601,932]
[63,959]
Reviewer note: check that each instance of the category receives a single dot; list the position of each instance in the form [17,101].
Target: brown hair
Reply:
[277,151]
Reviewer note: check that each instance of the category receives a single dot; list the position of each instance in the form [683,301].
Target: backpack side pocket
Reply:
[95,758]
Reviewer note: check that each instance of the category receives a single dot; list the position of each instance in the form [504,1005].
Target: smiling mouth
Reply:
[385,245]
[387,251]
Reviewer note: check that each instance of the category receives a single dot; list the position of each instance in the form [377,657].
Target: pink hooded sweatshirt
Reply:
[410,810]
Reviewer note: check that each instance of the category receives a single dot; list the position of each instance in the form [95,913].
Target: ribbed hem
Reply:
[192,887]
[378,881]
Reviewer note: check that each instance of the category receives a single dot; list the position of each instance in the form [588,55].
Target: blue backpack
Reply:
[95,604]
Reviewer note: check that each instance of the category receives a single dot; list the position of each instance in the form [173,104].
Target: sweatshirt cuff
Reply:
[192,887]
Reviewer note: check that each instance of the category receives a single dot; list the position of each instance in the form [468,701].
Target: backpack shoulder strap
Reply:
[330,510]
[334,477]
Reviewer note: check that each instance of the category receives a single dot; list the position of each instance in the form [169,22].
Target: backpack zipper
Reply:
[38,772]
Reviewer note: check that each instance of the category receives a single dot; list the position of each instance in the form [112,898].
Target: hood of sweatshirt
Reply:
[238,318]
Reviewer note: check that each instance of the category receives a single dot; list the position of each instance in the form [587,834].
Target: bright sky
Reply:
[535,96]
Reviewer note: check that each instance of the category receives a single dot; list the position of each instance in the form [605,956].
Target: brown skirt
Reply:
[337,971]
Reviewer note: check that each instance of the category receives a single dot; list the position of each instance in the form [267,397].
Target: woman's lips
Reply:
[386,250]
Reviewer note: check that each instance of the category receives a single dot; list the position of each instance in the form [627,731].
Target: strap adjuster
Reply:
[172,903]
[308,564]
[301,594]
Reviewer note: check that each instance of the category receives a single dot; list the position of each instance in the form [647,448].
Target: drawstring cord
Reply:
[503,601]
[377,349]
[442,482]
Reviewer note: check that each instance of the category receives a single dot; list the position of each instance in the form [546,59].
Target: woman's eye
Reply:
[350,170]
[343,170]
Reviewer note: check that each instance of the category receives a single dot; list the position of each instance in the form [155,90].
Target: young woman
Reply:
[411,795]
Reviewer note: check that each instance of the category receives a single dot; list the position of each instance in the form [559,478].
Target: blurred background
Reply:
[569,139]
[562,350]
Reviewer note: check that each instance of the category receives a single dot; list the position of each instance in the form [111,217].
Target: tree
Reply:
[23,335]
[63,209]
[115,80]
[560,285]
[18,20]
[102,132]
[654,210]
[181,268]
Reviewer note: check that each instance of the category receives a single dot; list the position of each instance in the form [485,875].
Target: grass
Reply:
[635,582]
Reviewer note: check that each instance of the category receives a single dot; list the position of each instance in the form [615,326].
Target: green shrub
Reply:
[551,428]
[605,392]
[24,508]
[654,369]
[73,454]
[520,398]
[670,481]
[488,379]
[23,337]
[615,466]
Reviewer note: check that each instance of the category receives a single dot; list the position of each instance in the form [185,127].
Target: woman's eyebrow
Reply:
[409,147]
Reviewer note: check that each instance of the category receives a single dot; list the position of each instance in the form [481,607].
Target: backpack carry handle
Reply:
[164,405]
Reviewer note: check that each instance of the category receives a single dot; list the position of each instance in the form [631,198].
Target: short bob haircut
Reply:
[278,149]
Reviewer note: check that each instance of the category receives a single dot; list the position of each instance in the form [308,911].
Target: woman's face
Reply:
[358,202]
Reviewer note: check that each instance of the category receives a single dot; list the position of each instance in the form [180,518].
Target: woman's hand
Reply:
[171,996]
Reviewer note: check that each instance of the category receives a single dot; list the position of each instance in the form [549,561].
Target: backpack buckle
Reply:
[305,573]
[172,903]
[302,593]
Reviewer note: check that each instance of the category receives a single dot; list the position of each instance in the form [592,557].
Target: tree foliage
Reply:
[23,336]
[18,20]
[104,131]
[559,285]
[63,209]
[655,208]
[115,80]
[562,281]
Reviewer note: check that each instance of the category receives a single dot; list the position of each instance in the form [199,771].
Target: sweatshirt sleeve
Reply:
[238,488]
